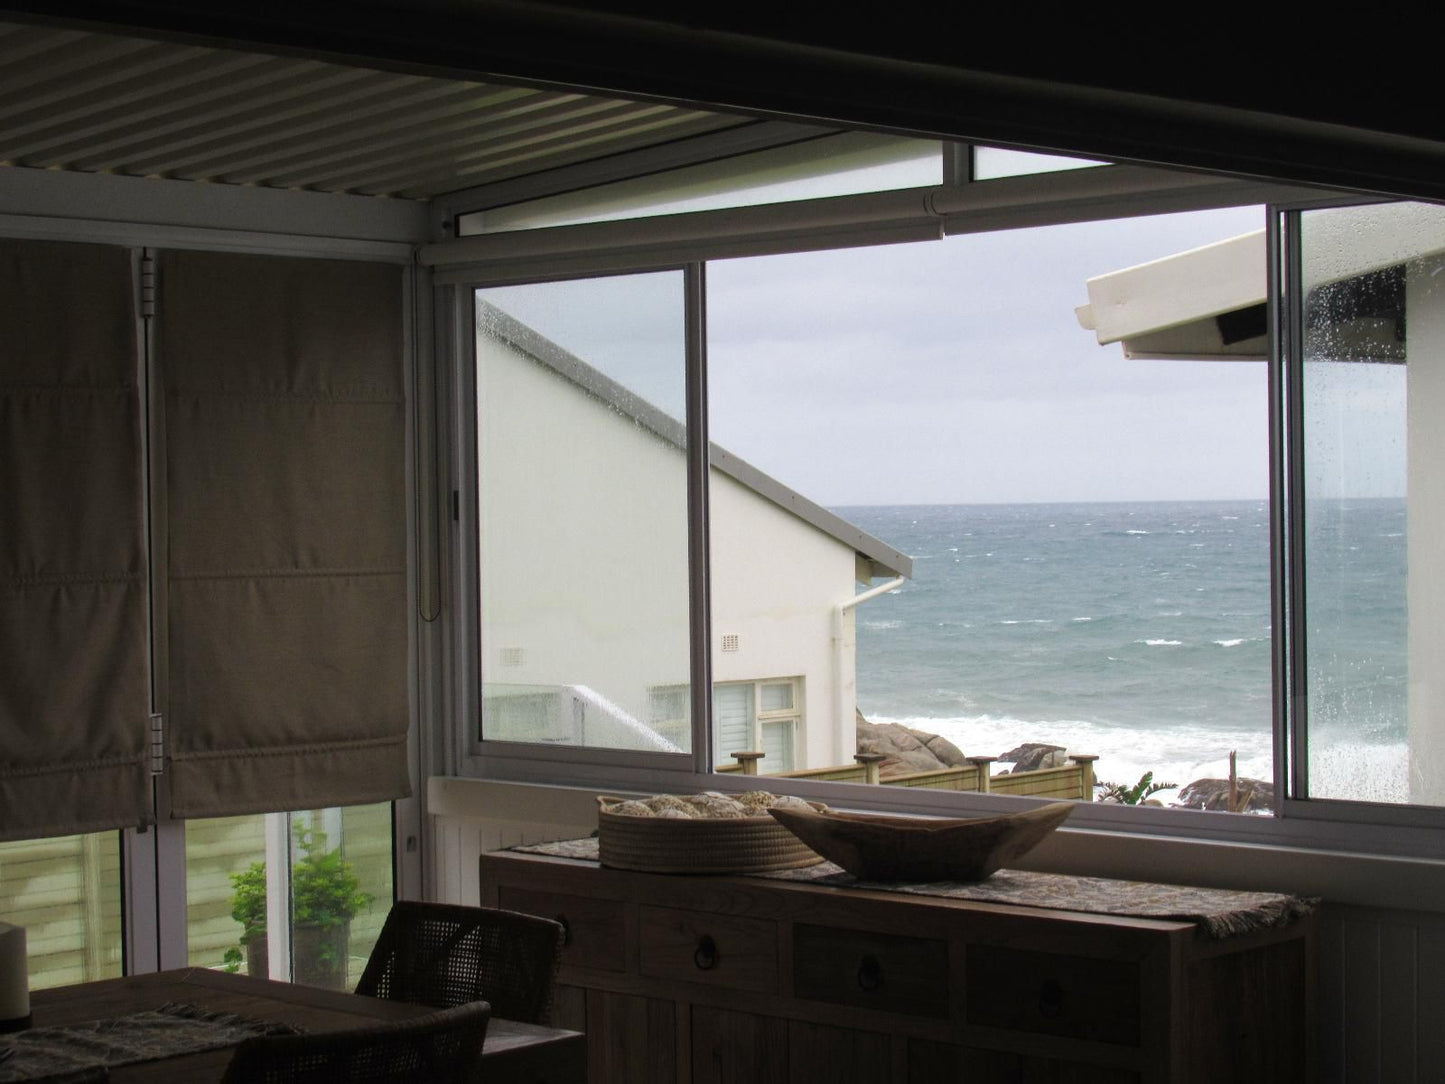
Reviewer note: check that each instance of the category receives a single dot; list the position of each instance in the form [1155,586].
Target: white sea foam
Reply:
[882,624]
[1229,643]
[1077,619]
[1161,643]
[1136,532]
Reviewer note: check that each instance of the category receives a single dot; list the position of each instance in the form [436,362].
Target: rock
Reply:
[1213,794]
[905,750]
[1031,756]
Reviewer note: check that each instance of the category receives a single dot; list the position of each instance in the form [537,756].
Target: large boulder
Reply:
[1213,794]
[1031,756]
[906,750]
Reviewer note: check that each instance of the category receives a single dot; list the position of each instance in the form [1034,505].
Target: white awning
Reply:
[1206,304]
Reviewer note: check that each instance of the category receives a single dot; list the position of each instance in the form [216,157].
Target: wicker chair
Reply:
[439,1048]
[442,954]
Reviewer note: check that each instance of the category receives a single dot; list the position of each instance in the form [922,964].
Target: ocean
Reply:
[1139,632]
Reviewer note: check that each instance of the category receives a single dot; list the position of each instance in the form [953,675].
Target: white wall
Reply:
[584,560]
[776,584]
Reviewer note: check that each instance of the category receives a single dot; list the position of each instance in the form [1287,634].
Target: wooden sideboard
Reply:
[713,979]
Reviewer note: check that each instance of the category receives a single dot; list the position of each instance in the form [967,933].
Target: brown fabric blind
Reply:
[73,668]
[285,457]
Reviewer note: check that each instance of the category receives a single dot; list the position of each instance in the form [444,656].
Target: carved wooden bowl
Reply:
[874,847]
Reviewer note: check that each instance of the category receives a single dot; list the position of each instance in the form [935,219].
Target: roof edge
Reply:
[501,325]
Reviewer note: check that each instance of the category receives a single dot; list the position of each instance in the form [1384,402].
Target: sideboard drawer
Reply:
[871,970]
[697,946]
[596,934]
[1051,993]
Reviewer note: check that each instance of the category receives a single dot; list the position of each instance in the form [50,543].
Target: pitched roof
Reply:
[885,560]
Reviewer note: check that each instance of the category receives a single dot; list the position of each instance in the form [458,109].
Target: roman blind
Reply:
[73,667]
[285,650]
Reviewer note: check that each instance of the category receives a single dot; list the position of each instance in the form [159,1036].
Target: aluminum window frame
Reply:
[694,239]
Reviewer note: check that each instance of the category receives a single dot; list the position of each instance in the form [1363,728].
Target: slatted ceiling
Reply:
[100,103]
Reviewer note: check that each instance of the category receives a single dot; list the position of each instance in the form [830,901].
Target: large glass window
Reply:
[582,504]
[964,519]
[323,879]
[1371,306]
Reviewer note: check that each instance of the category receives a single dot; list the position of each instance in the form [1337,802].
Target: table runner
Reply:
[1219,912]
[170,1030]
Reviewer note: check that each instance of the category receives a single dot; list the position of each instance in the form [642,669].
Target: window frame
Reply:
[693,239]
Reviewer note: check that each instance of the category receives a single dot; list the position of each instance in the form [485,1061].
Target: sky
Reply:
[940,372]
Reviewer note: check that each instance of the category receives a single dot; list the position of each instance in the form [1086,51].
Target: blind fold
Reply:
[73,606]
[285,442]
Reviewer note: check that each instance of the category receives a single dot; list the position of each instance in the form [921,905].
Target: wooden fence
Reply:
[1072,781]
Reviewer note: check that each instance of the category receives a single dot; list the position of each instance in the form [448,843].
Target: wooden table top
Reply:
[513,1050]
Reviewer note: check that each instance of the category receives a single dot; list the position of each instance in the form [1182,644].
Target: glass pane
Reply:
[65,891]
[777,697]
[839,165]
[990,163]
[336,890]
[777,747]
[581,461]
[1082,536]
[1373,389]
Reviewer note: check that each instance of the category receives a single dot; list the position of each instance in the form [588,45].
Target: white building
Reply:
[585,593]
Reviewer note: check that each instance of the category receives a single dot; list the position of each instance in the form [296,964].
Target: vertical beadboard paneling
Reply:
[1430,1001]
[1362,1001]
[1399,1014]
[1331,997]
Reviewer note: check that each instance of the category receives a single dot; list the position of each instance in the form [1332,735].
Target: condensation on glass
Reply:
[1373,392]
[582,499]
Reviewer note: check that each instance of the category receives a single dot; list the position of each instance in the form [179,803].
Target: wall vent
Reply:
[512,656]
[730,642]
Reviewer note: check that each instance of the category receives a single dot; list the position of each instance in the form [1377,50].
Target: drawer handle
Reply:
[561,920]
[870,973]
[705,956]
[1051,1000]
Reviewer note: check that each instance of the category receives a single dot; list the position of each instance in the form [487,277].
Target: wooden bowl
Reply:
[706,845]
[874,847]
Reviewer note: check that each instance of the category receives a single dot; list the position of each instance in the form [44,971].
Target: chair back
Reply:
[444,954]
[438,1048]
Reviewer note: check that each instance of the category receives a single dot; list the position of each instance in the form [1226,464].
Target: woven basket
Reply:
[713,845]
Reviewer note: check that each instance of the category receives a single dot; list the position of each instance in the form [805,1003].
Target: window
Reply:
[748,716]
[1368,349]
[1117,487]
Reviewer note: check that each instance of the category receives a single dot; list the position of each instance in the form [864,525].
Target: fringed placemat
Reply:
[1220,912]
[169,1031]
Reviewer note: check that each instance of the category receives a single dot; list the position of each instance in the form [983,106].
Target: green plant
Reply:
[325,890]
[1118,792]
[248,901]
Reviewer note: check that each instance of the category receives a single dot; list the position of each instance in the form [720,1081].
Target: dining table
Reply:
[513,1052]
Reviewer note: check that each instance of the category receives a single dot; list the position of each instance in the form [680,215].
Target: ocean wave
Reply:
[882,624]
[1229,643]
[1077,619]
[1161,643]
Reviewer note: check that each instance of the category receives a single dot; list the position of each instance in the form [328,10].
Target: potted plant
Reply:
[248,907]
[325,896]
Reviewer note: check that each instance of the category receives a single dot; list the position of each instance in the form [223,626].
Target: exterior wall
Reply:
[776,584]
[584,561]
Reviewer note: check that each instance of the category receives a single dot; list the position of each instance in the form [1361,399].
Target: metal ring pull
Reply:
[870,973]
[705,956]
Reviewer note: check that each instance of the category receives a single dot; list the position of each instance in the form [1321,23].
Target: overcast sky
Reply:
[941,372]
